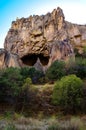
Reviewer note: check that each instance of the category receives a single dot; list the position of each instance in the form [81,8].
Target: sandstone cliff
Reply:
[40,40]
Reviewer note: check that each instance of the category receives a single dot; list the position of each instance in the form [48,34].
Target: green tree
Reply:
[68,93]
[79,68]
[31,72]
[27,83]
[28,95]
[10,84]
[56,71]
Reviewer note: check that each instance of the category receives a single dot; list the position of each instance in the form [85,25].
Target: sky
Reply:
[74,11]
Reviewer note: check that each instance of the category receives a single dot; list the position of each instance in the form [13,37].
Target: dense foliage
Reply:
[56,71]
[31,72]
[79,68]
[22,88]
[15,83]
[10,83]
[68,93]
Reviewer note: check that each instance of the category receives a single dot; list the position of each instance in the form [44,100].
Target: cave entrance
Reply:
[31,59]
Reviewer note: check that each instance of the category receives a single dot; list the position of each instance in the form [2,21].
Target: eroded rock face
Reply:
[8,60]
[40,40]
[32,35]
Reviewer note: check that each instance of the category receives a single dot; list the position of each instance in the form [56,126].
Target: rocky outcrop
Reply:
[8,60]
[40,40]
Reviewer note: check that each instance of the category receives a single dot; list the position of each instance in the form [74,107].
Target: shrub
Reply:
[56,71]
[84,52]
[27,83]
[10,84]
[83,105]
[31,72]
[79,68]
[68,93]
[27,96]
[80,61]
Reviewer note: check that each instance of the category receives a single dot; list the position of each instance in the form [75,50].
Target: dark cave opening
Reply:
[31,59]
[44,60]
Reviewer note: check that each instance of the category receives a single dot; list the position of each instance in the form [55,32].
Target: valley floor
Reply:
[19,122]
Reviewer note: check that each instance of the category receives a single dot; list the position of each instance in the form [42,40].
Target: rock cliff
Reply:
[40,40]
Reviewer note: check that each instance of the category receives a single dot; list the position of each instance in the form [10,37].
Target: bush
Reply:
[68,93]
[84,52]
[27,96]
[80,61]
[26,91]
[10,84]
[79,68]
[31,72]
[55,71]
[84,98]
[27,83]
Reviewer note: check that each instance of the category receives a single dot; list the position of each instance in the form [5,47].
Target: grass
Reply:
[75,123]
[43,87]
[50,123]
[10,127]
[16,121]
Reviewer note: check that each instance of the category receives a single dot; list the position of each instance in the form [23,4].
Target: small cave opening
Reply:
[31,59]
[44,59]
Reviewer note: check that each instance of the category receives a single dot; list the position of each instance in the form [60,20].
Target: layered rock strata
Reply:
[40,40]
